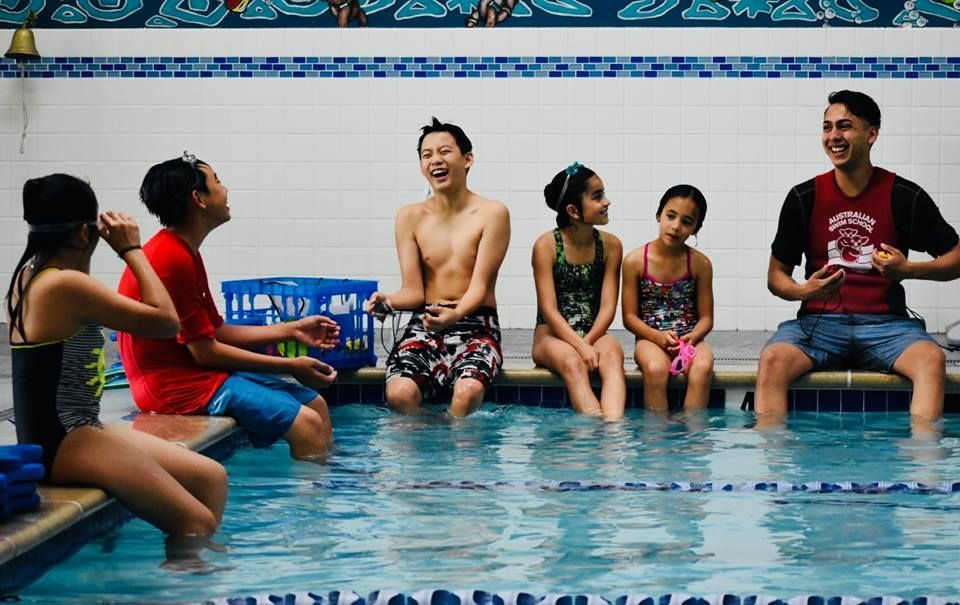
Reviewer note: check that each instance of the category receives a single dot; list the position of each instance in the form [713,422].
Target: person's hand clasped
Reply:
[590,356]
[824,283]
[316,331]
[667,341]
[437,318]
[119,230]
[890,262]
[313,373]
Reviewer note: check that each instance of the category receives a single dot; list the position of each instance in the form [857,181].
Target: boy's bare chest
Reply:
[441,242]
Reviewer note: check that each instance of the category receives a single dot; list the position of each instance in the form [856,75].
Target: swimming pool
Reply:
[543,501]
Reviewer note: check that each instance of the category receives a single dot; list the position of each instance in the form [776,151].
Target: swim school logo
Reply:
[851,249]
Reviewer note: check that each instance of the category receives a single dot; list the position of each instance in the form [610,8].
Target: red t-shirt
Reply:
[845,231]
[164,377]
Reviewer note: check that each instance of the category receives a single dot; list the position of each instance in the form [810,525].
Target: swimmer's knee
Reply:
[403,395]
[655,371]
[573,365]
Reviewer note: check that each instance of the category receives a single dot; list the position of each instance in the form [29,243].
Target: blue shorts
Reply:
[863,342]
[264,404]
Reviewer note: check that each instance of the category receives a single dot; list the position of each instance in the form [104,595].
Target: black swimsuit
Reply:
[57,388]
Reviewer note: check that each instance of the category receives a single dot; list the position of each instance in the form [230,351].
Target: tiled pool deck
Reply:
[68,517]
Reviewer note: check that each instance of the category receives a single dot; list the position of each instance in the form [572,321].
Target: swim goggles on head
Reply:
[59,227]
[681,363]
[570,170]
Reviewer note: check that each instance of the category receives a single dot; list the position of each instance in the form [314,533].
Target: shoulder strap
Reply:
[18,308]
[598,246]
[558,240]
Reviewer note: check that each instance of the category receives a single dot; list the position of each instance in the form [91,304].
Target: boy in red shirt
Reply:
[208,368]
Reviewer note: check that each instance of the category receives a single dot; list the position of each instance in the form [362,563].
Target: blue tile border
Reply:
[854,401]
[521,597]
[606,67]
[533,485]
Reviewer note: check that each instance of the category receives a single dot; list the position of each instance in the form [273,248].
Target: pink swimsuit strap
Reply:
[646,273]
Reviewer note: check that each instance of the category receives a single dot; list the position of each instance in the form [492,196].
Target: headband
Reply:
[570,170]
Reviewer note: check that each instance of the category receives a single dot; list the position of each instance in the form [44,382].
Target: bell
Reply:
[23,46]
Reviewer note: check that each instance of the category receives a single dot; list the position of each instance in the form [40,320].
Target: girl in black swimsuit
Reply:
[55,311]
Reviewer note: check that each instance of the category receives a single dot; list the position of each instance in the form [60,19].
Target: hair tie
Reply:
[570,170]
[189,158]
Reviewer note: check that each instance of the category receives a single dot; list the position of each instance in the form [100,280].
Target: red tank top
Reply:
[845,231]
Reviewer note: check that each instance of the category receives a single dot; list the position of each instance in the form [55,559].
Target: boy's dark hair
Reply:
[857,103]
[167,187]
[55,207]
[686,191]
[567,187]
[461,138]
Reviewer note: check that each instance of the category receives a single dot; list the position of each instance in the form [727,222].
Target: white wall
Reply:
[318,167]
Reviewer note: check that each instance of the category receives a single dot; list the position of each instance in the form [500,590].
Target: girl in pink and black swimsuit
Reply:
[668,298]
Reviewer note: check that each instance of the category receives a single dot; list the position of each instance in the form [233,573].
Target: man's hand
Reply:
[823,284]
[890,262]
[312,373]
[316,331]
[437,318]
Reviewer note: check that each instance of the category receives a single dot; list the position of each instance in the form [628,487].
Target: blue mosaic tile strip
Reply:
[490,67]
[530,395]
[482,597]
[811,487]
[854,401]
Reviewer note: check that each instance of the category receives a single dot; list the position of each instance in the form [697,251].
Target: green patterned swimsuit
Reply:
[578,287]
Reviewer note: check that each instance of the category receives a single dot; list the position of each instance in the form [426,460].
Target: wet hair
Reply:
[857,103]
[558,198]
[54,207]
[168,186]
[686,191]
[461,138]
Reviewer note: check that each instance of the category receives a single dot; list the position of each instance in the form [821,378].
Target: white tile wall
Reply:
[318,168]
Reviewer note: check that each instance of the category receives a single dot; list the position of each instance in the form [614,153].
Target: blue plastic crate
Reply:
[274,299]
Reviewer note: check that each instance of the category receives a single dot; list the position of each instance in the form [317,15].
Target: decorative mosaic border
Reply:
[489,67]
[521,13]
[810,487]
[482,597]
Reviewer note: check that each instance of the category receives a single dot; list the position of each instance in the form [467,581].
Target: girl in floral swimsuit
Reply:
[668,297]
[576,269]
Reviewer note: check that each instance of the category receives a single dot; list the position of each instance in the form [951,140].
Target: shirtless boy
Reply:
[450,247]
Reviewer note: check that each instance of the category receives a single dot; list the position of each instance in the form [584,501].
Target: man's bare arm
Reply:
[895,265]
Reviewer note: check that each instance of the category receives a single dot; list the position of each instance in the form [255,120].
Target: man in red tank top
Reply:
[855,226]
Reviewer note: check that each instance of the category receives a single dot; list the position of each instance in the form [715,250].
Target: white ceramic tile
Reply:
[325,156]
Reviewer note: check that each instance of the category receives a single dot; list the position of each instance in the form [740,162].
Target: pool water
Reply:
[542,500]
